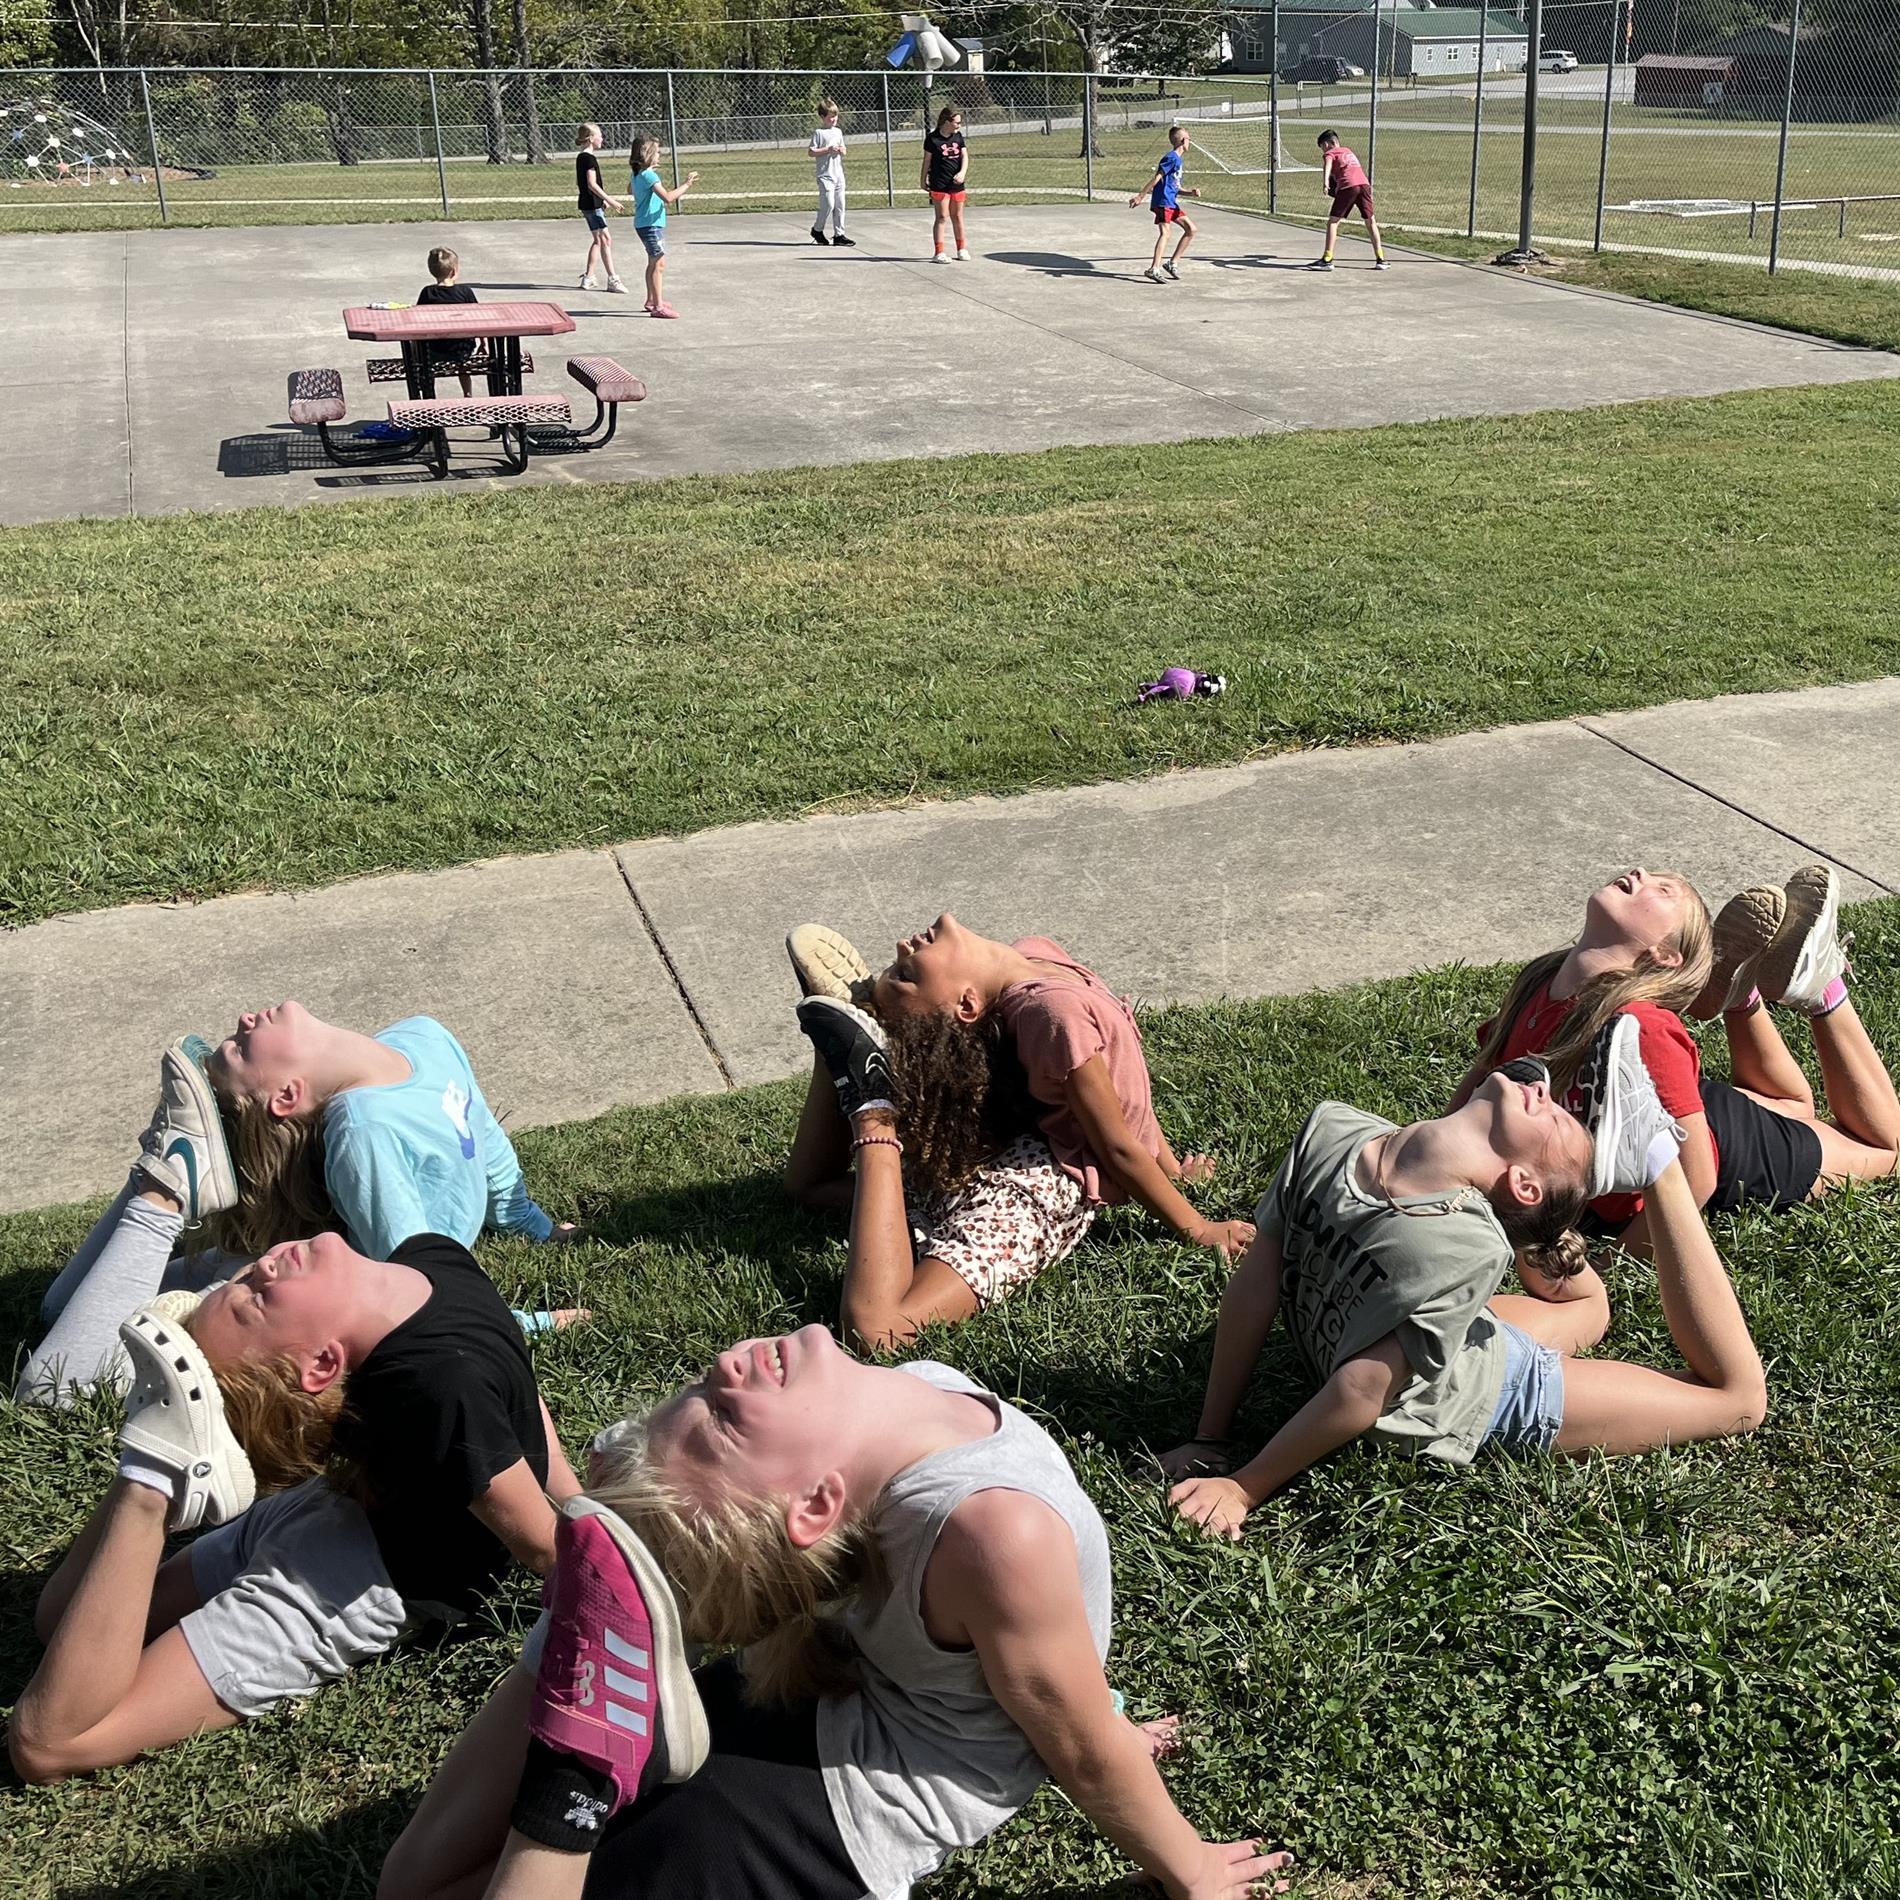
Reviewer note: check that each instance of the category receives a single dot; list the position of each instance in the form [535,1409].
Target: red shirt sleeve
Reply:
[1672,1059]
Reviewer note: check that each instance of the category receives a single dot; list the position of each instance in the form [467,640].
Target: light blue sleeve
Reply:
[511,1208]
[371,1187]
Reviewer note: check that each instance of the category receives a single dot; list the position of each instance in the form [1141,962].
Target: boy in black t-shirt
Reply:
[417,1372]
[445,268]
[946,165]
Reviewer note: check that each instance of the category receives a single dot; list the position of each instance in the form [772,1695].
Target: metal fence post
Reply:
[1477,117]
[1273,114]
[1372,124]
[1781,156]
[151,144]
[441,164]
[1527,178]
[890,163]
[1088,136]
[672,129]
[1603,157]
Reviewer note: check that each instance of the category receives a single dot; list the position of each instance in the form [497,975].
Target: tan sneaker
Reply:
[1744,928]
[1808,952]
[827,964]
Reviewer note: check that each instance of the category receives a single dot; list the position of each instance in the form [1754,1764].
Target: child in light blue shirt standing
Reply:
[650,202]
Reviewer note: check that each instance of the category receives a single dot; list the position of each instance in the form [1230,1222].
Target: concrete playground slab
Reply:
[541,965]
[146,370]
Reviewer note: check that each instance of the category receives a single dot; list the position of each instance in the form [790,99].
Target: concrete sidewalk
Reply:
[584,979]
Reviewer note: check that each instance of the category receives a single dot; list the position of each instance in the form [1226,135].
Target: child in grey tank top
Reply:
[919,1589]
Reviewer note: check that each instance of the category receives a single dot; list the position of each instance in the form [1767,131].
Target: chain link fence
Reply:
[1782,146]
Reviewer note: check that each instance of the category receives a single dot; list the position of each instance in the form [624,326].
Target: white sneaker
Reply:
[1808,953]
[175,1416]
[1153,275]
[1169,267]
[616,286]
[1636,1139]
[942,257]
[963,257]
[184,1150]
[587,282]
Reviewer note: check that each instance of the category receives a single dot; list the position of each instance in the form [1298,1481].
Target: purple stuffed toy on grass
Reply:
[1182,682]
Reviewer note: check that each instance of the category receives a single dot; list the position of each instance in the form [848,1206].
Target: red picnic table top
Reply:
[421,322]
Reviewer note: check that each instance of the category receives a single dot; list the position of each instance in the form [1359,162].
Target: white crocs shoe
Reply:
[826,963]
[184,1151]
[175,1416]
[1636,1138]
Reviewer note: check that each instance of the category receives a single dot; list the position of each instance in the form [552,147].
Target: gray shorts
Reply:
[294,1594]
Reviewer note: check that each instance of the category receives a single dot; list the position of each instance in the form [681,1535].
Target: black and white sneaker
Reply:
[1636,1138]
[852,1046]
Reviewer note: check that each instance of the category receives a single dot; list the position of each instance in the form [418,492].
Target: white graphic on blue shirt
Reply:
[455,1107]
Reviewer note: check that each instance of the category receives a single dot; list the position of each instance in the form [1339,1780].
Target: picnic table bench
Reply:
[523,424]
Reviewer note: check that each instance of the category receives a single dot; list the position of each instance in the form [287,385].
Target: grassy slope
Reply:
[1666,1676]
[197,704]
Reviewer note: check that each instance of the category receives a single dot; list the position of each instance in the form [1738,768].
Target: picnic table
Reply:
[500,325]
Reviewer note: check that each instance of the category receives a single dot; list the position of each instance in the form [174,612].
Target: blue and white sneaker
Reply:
[184,1151]
[1636,1138]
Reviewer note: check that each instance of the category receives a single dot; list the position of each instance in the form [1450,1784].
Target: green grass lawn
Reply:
[1670,1676]
[198,704]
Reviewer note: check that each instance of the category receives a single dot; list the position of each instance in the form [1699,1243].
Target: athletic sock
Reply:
[1326,257]
[138,1469]
[1833,997]
[561,1803]
[1747,1008]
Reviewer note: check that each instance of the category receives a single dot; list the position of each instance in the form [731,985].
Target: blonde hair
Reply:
[583,133]
[1647,980]
[281,1192]
[643,151]
[827,108]
[285,1431]
[740,1580]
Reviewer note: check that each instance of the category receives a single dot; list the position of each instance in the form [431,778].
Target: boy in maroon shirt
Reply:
[1345,178]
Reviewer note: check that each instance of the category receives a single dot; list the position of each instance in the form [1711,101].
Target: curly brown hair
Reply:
[961,1095]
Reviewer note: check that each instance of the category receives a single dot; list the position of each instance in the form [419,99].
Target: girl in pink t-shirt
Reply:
[1022,1019]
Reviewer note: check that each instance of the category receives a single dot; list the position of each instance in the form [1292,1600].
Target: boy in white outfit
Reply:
[827,152]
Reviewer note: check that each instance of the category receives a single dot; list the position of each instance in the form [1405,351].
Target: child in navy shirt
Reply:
[1165,192]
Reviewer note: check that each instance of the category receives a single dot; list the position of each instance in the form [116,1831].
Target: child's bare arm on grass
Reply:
[1349,1404]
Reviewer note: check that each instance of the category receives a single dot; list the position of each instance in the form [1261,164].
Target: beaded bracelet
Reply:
[876,1141]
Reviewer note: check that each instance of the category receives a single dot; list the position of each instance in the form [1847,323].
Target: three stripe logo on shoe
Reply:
[619,1683]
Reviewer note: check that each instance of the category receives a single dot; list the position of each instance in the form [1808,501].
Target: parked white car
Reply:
[1557,62]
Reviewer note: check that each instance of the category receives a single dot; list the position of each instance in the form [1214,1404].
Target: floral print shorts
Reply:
[1016,1215]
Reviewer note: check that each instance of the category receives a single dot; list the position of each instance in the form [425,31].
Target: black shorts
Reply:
[753,1824]
[1761,1158]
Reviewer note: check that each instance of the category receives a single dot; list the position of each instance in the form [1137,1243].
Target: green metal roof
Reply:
[1454,23]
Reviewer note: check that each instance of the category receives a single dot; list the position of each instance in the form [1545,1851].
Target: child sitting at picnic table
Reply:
[445,268]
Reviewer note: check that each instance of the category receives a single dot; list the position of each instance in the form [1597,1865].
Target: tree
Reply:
[494,124]
[26,33]
[524,58]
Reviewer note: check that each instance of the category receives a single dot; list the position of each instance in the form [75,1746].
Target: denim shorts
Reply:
[652,239]
[1530,1407]
[596,219]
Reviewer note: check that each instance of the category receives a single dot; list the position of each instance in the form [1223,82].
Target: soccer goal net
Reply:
[1243,143]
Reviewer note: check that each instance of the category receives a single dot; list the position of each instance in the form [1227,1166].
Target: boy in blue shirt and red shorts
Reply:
[1345,178]
[1164,191]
